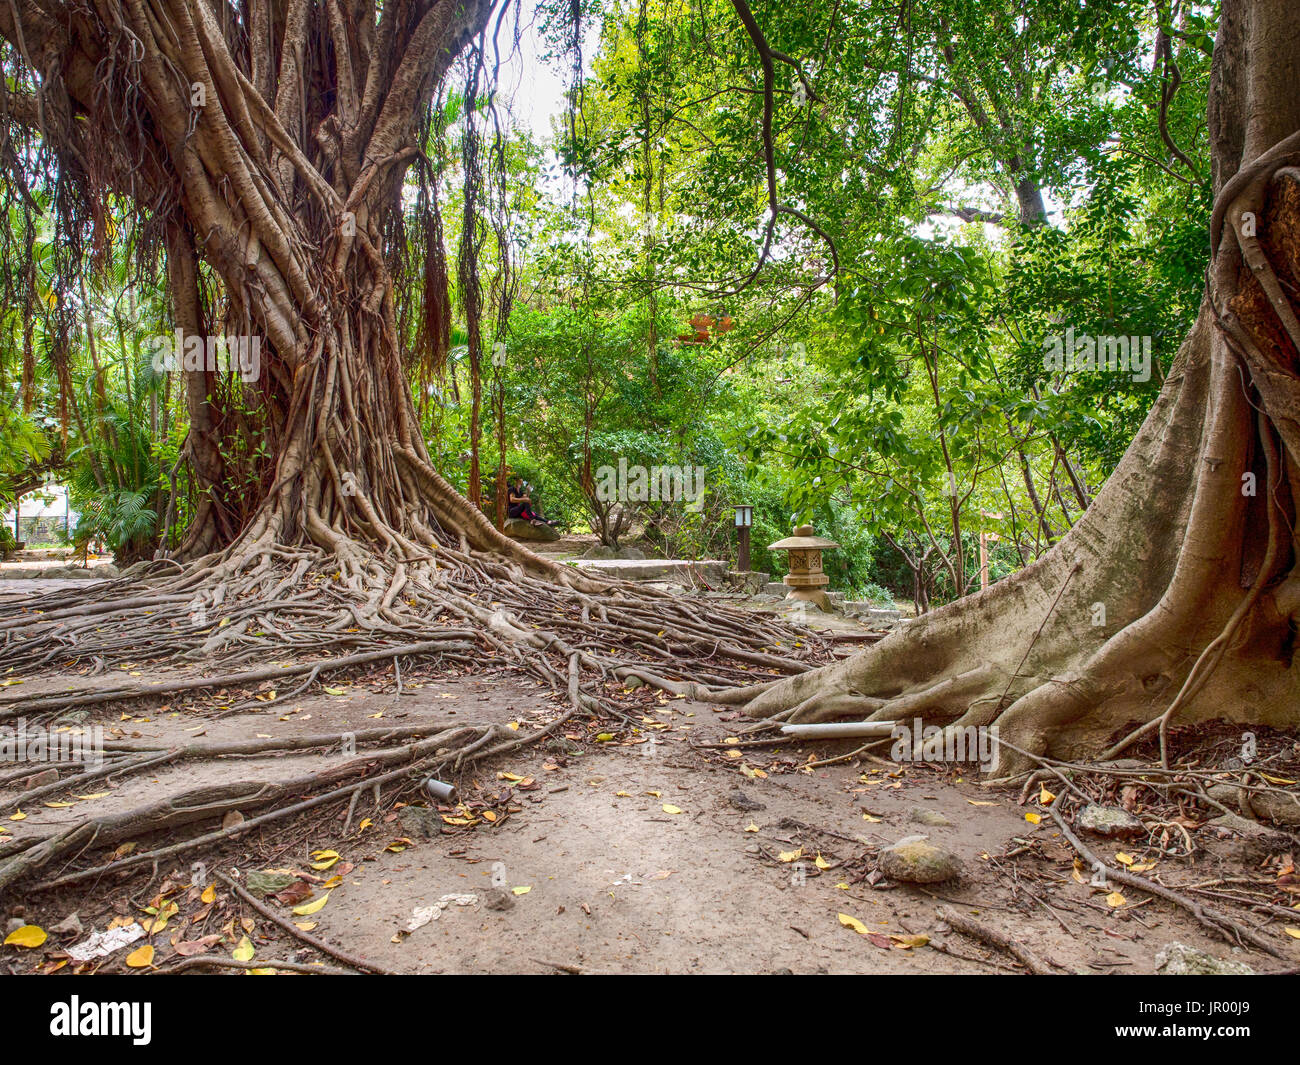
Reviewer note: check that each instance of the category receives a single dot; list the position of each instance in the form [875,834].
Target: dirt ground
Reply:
[664,850]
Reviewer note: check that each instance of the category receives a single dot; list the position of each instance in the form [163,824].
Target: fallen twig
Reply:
[1218,922]
[994,938]
[298,933]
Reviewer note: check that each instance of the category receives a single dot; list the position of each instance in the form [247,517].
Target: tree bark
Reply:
[278,164]
[1175,596]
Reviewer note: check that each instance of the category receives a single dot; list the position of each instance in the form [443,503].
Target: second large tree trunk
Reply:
[1175,598]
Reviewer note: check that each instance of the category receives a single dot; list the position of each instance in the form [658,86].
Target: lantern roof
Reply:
[803,538]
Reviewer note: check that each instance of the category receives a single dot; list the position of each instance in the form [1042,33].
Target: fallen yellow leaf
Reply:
[854,923]
[141,958]
[28,936]
[308,908]
[907,942]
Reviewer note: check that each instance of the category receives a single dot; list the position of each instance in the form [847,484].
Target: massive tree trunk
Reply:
[1175,598]
[270,141]
[267,143]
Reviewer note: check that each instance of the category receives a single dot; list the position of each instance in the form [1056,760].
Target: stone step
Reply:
[870,612]
[782,589]
[102,571]
[679,571]
[747,582]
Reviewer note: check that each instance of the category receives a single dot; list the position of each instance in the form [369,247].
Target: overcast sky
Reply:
[535,89]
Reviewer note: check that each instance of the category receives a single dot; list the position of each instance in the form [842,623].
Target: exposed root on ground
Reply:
[1176,597]
[442,604]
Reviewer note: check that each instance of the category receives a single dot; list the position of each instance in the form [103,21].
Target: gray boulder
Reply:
[1178,959]
[1109,821]
[420,822]
[915,860]
[518,529]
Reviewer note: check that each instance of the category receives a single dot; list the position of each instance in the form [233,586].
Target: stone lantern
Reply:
[806,580]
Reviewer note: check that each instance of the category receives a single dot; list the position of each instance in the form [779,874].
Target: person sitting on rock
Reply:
[520,504]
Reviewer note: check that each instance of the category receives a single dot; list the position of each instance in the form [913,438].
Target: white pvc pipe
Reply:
[439,790]
[840,729]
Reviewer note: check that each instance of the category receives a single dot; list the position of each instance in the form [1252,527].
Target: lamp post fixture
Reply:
[744,521]
[985,539]
[806,580]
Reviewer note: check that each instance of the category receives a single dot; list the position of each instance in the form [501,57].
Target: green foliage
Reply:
[957,182]
[116,483]
[904,409]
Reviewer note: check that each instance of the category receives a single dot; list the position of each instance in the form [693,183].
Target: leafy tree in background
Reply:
[905,198]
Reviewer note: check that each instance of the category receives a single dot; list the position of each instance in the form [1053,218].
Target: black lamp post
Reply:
[744,521]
